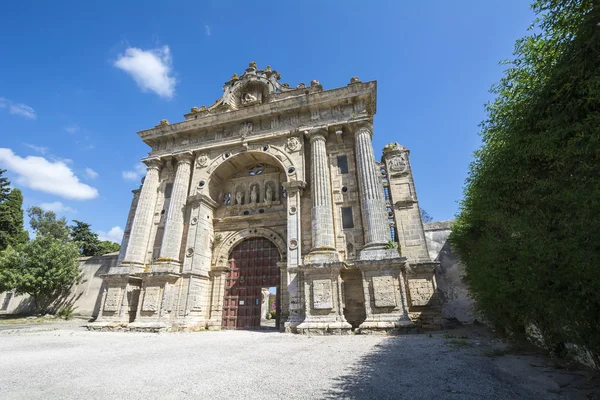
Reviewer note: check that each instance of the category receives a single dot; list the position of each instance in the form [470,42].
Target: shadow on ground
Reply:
[458,367]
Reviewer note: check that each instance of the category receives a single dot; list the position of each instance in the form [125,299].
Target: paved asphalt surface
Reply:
[56,361]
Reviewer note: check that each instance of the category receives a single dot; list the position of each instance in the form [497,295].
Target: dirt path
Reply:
[66,362]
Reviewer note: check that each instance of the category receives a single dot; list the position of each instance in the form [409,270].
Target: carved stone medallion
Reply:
[202,160]
[293,144]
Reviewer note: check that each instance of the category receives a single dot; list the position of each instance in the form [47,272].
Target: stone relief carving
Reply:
[246,129]
[397,163]
[253,195]
[113,297]
[239,198]
[322,294]
[151,298]
[249,98]
[384,291]
[293,144]
[202,160]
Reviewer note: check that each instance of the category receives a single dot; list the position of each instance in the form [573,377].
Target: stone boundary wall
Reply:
[85,296]
[453,293]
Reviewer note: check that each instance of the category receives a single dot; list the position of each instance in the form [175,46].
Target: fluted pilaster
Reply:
[375,221]
[320,186]
[174,225]
[137,247]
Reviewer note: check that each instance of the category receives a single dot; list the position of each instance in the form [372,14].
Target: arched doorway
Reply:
[252,268]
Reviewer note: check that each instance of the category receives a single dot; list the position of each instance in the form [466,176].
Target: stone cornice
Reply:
[311,100]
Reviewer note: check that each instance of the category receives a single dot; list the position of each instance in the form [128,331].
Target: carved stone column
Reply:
[171,244]
[323,239]
[294,255]
[374,216]
[137,248]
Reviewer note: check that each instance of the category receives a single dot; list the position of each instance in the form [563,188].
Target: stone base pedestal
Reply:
[168,266]
[386,306]
[321,256]
[323,300]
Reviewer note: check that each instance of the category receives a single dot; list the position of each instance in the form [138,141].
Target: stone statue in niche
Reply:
[253,195]
[248,98]
[238,198]
[268,194]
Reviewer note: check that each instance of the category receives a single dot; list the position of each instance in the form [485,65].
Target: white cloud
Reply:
[207,30]
[90,173]
[57,207]
[18,108]
[151,69]
[40,149]
[115,234]
[53,177]
[136,174]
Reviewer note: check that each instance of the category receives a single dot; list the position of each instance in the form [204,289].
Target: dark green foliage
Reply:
[45,223]
[107,246]
[529,225]
[88,242]
[83,236]
[4,186]
[11,220]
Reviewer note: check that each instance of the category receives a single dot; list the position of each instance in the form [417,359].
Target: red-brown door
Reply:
[253,266]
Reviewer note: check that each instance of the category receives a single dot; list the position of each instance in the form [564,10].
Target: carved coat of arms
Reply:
[397,163]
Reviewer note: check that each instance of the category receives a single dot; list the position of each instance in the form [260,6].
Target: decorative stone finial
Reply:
[301,85]
[354,79]
[164,122]
[314,82]
[235,77]
[392,147]
[252,64]
[268,69]
[196,110]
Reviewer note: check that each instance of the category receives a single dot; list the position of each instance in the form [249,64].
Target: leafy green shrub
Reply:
[65,312]
[528,225]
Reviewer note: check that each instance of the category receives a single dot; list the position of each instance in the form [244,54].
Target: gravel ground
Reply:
[66,362]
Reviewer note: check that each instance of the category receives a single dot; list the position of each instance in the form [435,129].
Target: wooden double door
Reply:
[253,266]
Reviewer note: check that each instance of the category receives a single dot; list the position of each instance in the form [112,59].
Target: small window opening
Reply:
[386,192]
[342,162]
[168,190]
[347,220]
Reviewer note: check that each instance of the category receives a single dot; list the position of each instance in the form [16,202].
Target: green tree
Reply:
[86,240]
[44,268]
[528,225]
[4,186]
[106,246]
[45,223]
[11,220]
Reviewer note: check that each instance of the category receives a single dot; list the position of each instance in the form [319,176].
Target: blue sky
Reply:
[79,79]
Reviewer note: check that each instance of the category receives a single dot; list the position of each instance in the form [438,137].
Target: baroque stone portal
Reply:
[273,186]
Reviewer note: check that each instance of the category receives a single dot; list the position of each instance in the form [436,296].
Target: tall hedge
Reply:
[528,230]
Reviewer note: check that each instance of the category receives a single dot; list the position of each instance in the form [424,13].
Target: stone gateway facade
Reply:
[273,186]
